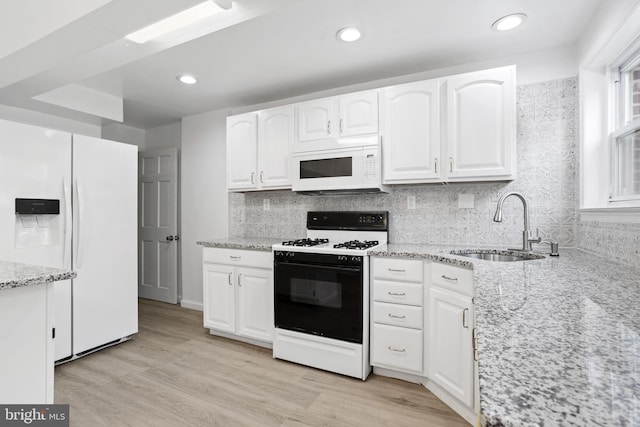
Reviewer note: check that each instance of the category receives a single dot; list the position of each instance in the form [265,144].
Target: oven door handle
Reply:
[320,266]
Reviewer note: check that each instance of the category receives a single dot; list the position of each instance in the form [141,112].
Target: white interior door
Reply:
[158,246]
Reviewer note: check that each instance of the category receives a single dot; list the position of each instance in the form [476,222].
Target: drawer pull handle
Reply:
[397,317]
[230,279]
[235,257]
[453,279]
[239,275]
[398,350]
[397,294]
[465,321]
[396,270]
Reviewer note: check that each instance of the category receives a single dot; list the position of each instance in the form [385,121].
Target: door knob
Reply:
[169,238]
[176,237]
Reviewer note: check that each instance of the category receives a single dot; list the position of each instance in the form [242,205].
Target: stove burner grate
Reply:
[305,242]
[357,244]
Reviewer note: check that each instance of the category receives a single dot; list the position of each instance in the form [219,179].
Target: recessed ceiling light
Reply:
[179,20]
[187,79]
[509,22]
[349,34]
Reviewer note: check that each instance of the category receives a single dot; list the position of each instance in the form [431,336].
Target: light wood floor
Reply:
[174,373]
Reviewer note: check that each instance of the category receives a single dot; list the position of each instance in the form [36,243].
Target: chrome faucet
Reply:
[527,236]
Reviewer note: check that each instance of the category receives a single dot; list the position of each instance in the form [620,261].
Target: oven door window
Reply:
[319,300]
[326,168]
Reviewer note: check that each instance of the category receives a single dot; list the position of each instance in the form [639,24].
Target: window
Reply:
[625,135]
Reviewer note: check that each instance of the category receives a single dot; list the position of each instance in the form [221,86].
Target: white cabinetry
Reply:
[411,132]
[467,134]
[481,125]
[242,151]
[26,344]
[422,322]
[451,322]
[397,315]
[344,116]
[238,293]
[258,149]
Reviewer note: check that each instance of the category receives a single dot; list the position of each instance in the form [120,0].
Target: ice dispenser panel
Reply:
[38,223]
[37,206]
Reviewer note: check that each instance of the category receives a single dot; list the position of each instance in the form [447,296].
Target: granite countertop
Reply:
[15,275]
[254,243]
[558,338]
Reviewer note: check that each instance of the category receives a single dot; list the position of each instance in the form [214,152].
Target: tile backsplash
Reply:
[617,241]
[547,115]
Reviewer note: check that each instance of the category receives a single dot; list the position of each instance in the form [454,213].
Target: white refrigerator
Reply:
[87,189]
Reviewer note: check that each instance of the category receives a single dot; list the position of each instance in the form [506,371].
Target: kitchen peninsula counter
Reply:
[27,332]
[558,338]
[14,275]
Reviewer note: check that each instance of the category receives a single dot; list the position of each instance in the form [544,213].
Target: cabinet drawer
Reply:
[455,278]
[407,270]
[258,259]
[398,292]
[397,315]
[397,348]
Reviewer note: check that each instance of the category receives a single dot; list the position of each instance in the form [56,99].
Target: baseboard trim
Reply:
[193,305]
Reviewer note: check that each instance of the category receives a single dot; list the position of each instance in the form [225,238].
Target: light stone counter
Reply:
[558,338]
[14,275]
[254,243]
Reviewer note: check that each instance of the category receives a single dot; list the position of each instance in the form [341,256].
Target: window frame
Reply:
[621,122]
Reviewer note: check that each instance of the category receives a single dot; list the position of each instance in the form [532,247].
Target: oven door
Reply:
[322,300]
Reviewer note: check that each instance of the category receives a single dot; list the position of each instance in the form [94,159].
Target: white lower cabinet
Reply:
[450,343]
[238,293]
[423,318]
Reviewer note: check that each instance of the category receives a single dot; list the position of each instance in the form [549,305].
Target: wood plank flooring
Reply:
[174,373]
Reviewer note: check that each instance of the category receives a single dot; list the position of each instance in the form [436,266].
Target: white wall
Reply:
[124,133]
[167,136]
[205,202]
[541,66]
[48,121]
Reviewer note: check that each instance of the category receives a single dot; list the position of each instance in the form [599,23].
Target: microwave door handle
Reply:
[319,266]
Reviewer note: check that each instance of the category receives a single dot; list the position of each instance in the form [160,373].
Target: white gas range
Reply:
[322,292]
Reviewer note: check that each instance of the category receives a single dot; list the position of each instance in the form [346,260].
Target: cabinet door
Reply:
[315,120]
[450,343]
[275,136]
[358,113]
[411,133]
[242,151]
[255,303]
[219,297]
[481,126]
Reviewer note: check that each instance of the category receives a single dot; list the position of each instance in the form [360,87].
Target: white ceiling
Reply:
[259,51]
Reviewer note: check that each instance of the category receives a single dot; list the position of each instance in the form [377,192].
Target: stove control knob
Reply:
[342,257]
[379,218]
[356,260]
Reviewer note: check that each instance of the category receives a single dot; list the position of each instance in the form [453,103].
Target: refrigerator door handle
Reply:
[67,223]
[78,223]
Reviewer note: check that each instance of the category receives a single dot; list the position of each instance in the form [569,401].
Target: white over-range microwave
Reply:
[344,169]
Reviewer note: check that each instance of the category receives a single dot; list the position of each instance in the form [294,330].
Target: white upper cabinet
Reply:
[242,151]
[315,120]
[258,149]
[358,113]
[481,125]
[411,132]
[343,116]
[275,135]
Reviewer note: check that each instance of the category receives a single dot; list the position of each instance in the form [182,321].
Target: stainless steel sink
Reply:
[493,255]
